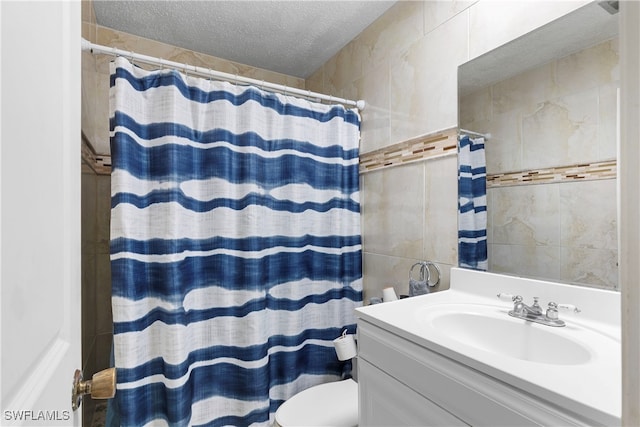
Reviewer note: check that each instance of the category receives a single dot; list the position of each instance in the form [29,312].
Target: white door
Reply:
[40,211]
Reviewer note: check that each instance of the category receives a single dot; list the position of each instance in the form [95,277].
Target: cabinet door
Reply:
[385,401]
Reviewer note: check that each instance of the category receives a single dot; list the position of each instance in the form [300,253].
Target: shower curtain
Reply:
[472,203]
[235,247]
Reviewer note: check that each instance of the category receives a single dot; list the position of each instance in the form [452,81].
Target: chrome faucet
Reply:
[534,312]
[520,309]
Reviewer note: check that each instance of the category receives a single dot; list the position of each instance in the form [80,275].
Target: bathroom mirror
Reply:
[549,101]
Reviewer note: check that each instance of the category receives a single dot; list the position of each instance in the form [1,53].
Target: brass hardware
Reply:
[101,386]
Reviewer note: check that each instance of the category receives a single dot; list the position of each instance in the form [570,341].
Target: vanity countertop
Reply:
[576,366]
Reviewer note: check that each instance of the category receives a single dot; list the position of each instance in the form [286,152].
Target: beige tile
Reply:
[475,107]
[526,215]
[100,124]
[582,225]
[441,199]
[391,35]
[88,96]
[424,84]
[87,11]
[542,262]
[591,267]
[490,225]
[525,91]
[345,67]
[382,271]
[393,214]
[374,89]
[315,82]
[438,12]
[504,149]
[589,68]
[89,32]
[561,132]
[608,121]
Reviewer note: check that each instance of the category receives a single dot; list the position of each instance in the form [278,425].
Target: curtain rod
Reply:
[207,72]
[470,132]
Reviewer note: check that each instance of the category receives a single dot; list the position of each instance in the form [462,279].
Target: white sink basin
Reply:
[576,366]
[507,336]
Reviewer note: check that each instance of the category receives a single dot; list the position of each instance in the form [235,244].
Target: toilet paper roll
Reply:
[389,294]
[345,347]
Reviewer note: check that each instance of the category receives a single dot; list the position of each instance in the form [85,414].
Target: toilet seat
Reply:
[332,404]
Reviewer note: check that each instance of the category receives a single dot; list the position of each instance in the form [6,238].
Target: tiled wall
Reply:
[96,276]
[405,66]
[561,113]
[554,128]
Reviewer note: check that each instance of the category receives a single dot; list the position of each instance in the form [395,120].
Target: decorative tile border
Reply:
[101,165]
[412,150]
[581,172]
[425,147]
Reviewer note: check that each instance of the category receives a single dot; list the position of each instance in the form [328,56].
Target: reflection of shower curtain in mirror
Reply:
[235,251]
[472,203]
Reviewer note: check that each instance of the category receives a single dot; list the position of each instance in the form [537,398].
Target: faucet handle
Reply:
[570,307]
[509,297]
[552,311]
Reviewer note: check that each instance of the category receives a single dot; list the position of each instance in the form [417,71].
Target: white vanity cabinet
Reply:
[402,383]
[457,357]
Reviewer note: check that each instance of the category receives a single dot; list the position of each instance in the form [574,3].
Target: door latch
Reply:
[101,386]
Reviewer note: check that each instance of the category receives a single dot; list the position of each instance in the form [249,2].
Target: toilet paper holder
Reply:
[345,346]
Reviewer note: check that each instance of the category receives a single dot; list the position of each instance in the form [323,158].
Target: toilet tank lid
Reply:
[332,404]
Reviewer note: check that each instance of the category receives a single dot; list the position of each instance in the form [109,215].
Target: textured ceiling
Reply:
[290,37]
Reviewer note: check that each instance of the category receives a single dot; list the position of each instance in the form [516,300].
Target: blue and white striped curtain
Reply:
[235,247]
[472,203]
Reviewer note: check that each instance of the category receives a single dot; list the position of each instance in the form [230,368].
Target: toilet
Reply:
[332,404]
